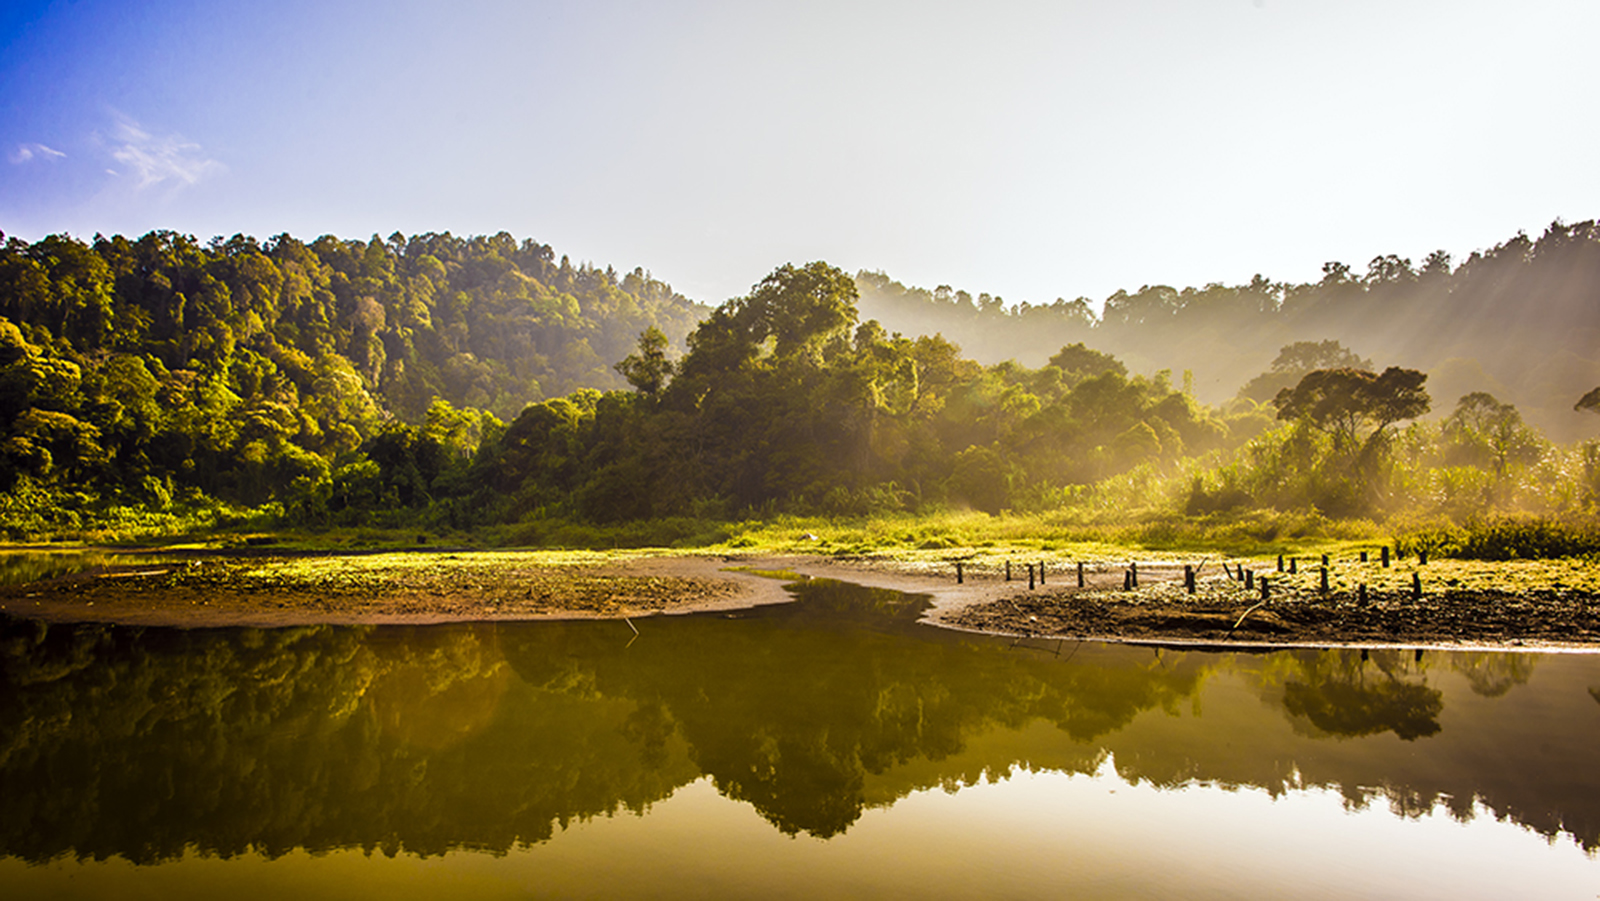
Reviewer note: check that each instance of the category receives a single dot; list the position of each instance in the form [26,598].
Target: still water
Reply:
[831,746]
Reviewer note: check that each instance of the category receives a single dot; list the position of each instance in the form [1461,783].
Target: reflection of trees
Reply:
[142,743]
[145,742]
[1492,674]
[1411,711]
[1342,694]
[791,708]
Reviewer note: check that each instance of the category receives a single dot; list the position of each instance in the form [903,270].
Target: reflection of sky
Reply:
[1029,150]
[1033,835]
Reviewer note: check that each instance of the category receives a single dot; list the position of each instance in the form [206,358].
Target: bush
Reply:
[1505,538]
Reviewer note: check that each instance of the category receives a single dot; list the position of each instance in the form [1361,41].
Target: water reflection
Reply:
[146,742]
[1341,695]
[17,567]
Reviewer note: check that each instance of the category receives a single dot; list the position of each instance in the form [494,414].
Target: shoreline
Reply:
[263,590]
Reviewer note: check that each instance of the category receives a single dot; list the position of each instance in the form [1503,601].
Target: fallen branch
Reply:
[1253,608]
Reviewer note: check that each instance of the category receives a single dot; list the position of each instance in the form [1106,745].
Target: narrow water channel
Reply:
[828,746]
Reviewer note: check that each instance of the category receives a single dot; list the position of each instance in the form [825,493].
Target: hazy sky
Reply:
[1031,150]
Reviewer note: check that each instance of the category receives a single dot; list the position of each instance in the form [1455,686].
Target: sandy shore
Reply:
[207,591]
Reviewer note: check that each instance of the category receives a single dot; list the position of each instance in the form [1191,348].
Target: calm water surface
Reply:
[828,746]
[17,567]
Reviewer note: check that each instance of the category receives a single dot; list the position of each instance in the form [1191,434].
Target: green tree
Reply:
[1484,432]
[1297,359]
[648,368]
[1347,403]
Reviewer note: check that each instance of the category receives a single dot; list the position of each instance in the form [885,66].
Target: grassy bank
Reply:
[936,537]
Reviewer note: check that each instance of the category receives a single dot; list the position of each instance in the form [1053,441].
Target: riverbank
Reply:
[1553,604]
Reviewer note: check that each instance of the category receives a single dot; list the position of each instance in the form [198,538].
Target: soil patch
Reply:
[441,586]
[385,589]
[1222,612]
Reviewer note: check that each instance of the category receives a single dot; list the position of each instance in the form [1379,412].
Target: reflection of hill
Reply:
[140,742]
[145,742]
[792,707]
[1521,753]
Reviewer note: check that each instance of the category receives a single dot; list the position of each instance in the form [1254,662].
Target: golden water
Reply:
[828,747]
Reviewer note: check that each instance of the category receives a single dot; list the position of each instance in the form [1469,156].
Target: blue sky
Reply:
[1032,150]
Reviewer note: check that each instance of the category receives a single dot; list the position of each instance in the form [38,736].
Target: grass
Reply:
[401,565]
[955,535]
[921,541]
[1505,538]
[1347,573]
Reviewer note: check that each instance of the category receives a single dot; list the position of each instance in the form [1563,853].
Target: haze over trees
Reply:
[1519,320]
[450,383]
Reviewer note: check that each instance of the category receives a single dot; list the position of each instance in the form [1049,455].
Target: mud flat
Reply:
[440,586]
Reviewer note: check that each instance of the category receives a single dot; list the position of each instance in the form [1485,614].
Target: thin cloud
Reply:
[160,159]
[26,153]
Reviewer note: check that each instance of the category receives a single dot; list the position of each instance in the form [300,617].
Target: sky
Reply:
[1029,150]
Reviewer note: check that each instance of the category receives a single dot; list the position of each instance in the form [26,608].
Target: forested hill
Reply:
[1520,321]
[451,383]
[383,325]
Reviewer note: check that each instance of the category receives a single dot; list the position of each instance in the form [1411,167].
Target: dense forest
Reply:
[449,383]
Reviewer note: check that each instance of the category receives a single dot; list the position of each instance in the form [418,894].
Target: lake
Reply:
[832,746]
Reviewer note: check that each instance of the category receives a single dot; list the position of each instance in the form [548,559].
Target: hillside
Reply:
[1520,321]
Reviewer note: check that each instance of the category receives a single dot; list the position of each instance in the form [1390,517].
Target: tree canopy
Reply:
[1349,402]
[459,382]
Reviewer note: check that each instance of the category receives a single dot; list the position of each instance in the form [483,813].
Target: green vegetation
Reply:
[1515,320]
[442,390]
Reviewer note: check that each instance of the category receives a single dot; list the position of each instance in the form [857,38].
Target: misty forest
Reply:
[479,386]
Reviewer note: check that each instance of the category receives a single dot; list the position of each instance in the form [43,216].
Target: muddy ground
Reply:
[212,590]
[1222,611]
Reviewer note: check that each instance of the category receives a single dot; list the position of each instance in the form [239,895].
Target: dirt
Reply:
[1222,611]
[268,591]
[271,591]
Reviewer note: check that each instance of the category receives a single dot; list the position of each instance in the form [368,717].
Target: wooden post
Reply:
[1080,573]
[1383,556]
[1265,596]
[1294,566]
[1127,580]
[1133,571]
[1361,594]
[1030,576]
[958,572]
[1041,572]
[1324,580]
[1416,586]
[1188,578]
[1280,563]
[1324,561]
[1363,556]
[1422,558]
[1008,570]
[1249,579]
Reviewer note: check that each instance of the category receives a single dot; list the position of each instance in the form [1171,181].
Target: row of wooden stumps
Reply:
[1290,565]
[1248,576]
[1383,559]
[1035,576]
